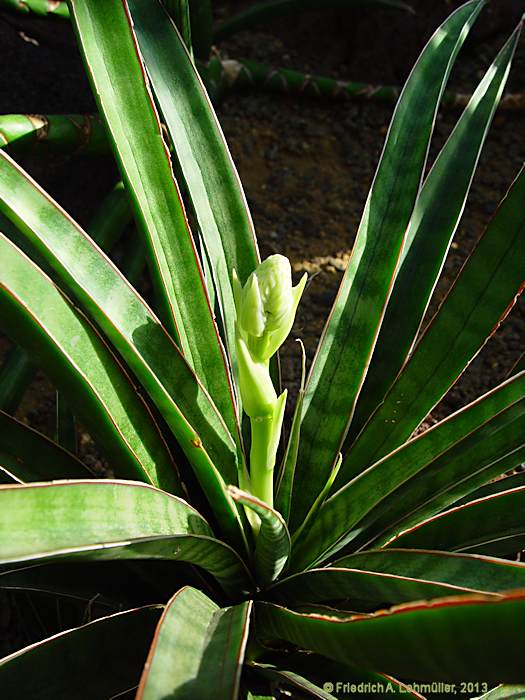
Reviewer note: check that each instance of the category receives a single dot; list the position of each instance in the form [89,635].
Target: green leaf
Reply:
[197,651]
[117,75]
[285,478]
[388,577]
[41,319]
[272,547]
[377,578]
[29,456]
[504,484]
[434,221]
[137,334]
[339,367]
[496,449]
[110,219]
[476,444]
[397,642]
[70,519]
[493,525]
[208,169]
[74,664]
[482,295]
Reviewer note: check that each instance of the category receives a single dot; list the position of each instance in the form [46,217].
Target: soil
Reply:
[306,163]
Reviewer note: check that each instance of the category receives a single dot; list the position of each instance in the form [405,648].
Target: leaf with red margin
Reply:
[339,367]
[493,525]
[456,639]
[198,649]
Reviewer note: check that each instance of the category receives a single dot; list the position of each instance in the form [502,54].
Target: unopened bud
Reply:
[266,306]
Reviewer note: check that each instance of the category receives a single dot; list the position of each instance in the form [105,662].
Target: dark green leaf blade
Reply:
[108,223]
[70,519]
[493,525]
[125,101]
[389,577]
[506,483]
[208,169]
[436,216]
[74,664]
[41,319]
[482,295]
[207,644]
[397,642]
[339,367]
[476,444]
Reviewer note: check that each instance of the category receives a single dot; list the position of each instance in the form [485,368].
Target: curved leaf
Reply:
[74,664]
[29,456]
[476,444]
[435,218]
[197,651]
[41,319]
[70,519]
[388,577]
[398,641]
[491,525]
[272,547]
[135,332]
[482,295]
[504,484]
[340,365]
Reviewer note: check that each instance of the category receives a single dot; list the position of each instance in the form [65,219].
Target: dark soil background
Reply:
[306,163]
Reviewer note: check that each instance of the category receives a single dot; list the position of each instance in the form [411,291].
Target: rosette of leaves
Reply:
[389,564]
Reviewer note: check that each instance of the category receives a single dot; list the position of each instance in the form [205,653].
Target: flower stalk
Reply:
[266,308]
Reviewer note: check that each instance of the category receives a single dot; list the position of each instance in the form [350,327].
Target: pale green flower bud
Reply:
[266,306]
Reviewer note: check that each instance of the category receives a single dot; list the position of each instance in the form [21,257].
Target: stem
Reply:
[262,458]
[54,133]
[39,7]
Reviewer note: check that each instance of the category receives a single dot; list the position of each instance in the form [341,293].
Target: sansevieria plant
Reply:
[338,557]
